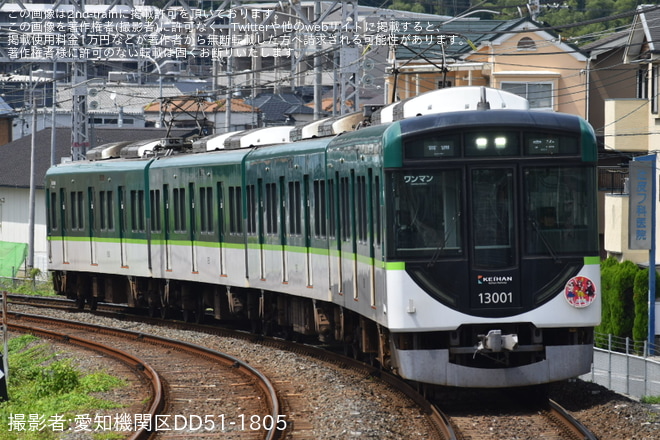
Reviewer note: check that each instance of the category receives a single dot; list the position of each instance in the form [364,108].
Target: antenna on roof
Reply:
[483,104]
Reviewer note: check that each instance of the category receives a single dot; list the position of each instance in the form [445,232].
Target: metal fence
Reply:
[626,366]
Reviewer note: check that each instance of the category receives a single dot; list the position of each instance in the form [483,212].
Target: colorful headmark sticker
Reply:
[580,292]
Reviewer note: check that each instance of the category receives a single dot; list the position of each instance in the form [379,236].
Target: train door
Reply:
[307,230]
[258,208]
[65,253]
[221,229]
[92,226]
[348,260]
[335,230]
[283,222]
[494,276]
[121,193]
[193,227]
[167,228]
[373,225]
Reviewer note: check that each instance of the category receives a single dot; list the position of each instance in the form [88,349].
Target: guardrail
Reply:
[626,366]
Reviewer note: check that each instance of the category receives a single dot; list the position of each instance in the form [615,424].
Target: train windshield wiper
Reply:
[443,244]
[545,242]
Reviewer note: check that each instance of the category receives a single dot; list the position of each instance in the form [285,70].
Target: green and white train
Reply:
[454,245]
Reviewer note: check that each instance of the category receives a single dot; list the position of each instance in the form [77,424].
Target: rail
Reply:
[137,364]
[261,380]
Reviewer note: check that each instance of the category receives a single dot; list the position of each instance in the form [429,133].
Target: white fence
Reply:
[619,368]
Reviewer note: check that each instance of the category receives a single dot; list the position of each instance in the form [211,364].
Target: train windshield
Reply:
[427,212]
[560,211]
[554,204]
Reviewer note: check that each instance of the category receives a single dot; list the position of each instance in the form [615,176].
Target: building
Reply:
[461,52]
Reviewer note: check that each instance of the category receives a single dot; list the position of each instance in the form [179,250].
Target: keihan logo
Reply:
[493,280]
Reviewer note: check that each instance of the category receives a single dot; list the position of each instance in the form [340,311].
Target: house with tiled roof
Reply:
[198,111]
[519,56]
[631,126]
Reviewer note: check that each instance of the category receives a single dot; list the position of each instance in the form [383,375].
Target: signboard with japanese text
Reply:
[641,183]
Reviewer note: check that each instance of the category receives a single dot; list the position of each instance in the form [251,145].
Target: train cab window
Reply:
[559,210]
[179,196]
[427,213]
[493,234]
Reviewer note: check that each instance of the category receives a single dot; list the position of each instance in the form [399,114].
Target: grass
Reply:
[50,393]
[28,286]
[650,399]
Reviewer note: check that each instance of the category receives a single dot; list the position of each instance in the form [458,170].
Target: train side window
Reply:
[251,209]
[53,211]
[271,208]
[361,211]
[102,211]
[179,196]
[106,209]
[137,211]
[377,218]
[344,208]
[206,209]
[332,212]
[77,210]
[154,199]
[64,207]
[320,225]
[221,209]
[295,211]
[235,204]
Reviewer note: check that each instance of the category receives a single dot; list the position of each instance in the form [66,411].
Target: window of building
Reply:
[539,94]
[526,43]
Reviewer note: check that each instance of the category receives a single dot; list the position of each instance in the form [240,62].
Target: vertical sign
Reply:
[642,224]
[641,198]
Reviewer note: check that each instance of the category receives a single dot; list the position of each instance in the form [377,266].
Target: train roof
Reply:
[476,118]
[222,157]
[309,145]
[110,165]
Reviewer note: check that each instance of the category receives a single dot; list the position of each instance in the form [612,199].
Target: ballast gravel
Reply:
[345,405]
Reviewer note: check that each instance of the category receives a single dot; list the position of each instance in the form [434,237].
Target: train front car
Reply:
[493,275]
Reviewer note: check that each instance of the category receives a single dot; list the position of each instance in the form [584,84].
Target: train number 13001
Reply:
[495,298]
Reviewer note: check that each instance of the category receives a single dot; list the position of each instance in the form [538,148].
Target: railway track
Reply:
[511,415]
[303,419]
[194,391]
[550,423]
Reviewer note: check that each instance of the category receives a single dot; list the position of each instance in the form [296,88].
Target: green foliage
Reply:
[43,385]
[617,281]
[654,400]
[623,307]
[608,270]
[641,298]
